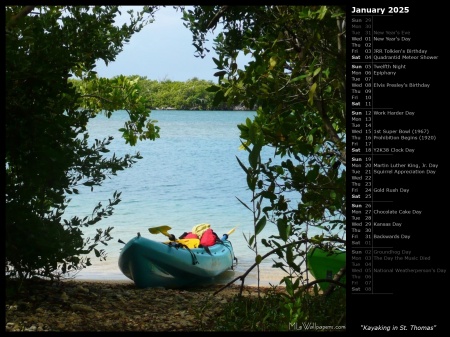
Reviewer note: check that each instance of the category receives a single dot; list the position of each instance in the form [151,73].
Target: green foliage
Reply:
[189,95]
[252,313]
[48,154]
[276,311]
[296,143]
[194,94]
[108,95]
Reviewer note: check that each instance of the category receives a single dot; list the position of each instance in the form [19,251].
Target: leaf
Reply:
[244,204]
[298,78]
[283,229]
[254,156]
[311,93]
[272,63]
[289,287]
[242,165]
[260,225]
[213,88]
[322,12]
[251,182]
[220,73]
[217,62]
[218,98]
[258,259]
[289,256]
[316,71]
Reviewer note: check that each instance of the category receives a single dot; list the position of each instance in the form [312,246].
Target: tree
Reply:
[296,78]
[47,150]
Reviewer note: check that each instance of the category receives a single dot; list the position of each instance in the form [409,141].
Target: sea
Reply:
[190,175]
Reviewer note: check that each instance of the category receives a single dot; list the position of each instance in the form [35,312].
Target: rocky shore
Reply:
[115,306]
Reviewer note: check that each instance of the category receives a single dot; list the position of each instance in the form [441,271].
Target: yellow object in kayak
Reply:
[200,229]
[189,243]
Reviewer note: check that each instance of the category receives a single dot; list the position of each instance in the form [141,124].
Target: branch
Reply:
[243,276]
[331,131]
[310,284]
[24,12]
[336,279]
[215,19]
[98,97]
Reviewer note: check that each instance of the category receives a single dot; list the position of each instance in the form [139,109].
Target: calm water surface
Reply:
[188,176]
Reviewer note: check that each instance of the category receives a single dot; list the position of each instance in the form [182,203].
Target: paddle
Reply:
[163,230]
[231,231]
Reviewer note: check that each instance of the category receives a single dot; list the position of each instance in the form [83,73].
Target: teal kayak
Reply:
[171,265]
[325,265]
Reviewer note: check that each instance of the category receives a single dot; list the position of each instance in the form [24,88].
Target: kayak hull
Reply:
[157,264]
[323,265]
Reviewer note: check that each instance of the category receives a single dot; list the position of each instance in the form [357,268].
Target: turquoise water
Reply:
[188,176]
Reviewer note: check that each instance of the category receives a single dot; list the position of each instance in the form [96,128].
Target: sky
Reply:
[162,50]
